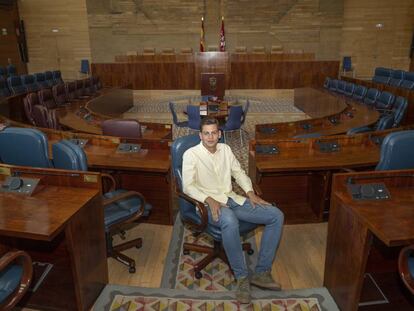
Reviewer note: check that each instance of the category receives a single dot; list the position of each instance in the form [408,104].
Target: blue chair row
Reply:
[384,102]
[29,147]
[8,71]
[398,78]
[31,83]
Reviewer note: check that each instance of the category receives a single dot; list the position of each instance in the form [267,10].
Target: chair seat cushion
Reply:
[123,209]
[9,280]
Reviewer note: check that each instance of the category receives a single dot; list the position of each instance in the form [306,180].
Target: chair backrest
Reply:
[385,100]
[46,98]
[397,152]
[40,116]
[4,90]
[68,156]
[30,83]
[41,79]
[129,128]
[194,119]
[245,111]
[234,120]
[53,120]
[360,92]
[399,110]
[397,77]
[327,82]
[11,70]
[59,94]
[25,147]
[341,86]
[57,77]
[349,89]
[382,75]
[333,85]
[15,85]
[179,146]
[174,114]
[29,102]
[347,63]
[408,82]
[385,122]
[84,66]
[371,96]
[49,78]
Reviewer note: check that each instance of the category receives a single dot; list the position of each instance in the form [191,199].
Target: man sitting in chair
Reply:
[207,172]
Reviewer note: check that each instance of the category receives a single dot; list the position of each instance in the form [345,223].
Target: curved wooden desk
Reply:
[332,115]
[298,178]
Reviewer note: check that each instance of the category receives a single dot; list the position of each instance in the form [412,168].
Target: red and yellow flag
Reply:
[222,38]
[202,47]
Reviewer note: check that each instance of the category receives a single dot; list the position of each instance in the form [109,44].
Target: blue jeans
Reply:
[228,221]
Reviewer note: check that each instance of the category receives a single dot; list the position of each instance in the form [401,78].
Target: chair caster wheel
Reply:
[198,275]
[186,252]
[250,252]
[131,270]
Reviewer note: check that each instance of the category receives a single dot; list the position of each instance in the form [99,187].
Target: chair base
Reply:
[115,252]
[217,251]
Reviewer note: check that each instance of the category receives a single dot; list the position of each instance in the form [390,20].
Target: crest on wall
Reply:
[212,81]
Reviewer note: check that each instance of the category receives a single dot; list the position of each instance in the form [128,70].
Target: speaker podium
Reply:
[213,84]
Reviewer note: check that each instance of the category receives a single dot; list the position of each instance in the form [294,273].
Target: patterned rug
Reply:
[178,268]
[128,298]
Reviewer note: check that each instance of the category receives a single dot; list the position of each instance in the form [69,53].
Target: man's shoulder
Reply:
[191,150]
[224,147]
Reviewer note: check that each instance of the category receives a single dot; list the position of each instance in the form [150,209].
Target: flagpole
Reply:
[202,35]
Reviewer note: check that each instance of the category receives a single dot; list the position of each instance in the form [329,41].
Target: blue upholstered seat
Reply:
[41,79]
[397,77]
[15,278]
[4,90]
[3,72]
[11,70]
[399,109]
[194,119]
[245,111]
[382,75]
[349,89]
[384,101]
[359,93]
[234,122]
[57,77]
[408,82]
[333,85]
[30,83]
[397,151]
[175,118]
[15,85]
[406,267]
[129,206]
[371,96]
[49,78]
[24,146]
[188,212]
[341,86]
[385,122]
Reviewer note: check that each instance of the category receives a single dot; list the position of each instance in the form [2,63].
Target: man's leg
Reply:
[272,218]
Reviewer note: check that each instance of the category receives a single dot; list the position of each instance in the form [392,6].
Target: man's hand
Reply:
[255,199]
[215,207]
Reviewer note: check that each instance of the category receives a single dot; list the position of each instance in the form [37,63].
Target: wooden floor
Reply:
[299,260]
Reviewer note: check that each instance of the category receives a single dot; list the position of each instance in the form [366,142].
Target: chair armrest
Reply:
[111,179]
[201,208]
[403,269]
[26,262]
[124,195]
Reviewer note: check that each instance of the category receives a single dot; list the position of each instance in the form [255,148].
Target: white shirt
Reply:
[207,174]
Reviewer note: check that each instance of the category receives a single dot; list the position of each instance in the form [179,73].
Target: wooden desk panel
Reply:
[392,221]
[61,224]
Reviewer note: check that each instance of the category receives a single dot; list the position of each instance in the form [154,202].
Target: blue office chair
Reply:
[234,122]
[327,82]
[194,213]
[3,72]
[408,82]
[194,119]
[359,93]
[245,111]
[371,97]
[49,78]
[397,152]
[30,83]
[341,86]
[349,89]
[15,85]
[122,207]
[406,267]
[57,77]
[11,70]
[347,63]
[384,101]
[333,85]
[397,78]
[25,147]
[41,79]
[385,122]
[15,276]
[382,75]
[4,90]
[182,124]
[399,109]
[84,66]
